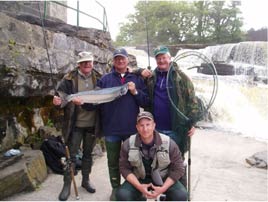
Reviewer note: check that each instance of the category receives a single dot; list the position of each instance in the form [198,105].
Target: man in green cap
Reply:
[182,94]
[168,120]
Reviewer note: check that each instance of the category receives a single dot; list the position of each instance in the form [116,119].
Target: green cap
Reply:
[160,50]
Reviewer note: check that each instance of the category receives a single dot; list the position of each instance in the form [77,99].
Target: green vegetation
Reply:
[177,22]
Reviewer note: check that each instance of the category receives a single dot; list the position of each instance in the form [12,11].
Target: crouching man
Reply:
[151,163]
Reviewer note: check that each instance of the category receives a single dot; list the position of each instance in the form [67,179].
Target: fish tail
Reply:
[63,97]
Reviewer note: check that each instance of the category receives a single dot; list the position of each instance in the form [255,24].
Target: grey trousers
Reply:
[87,138]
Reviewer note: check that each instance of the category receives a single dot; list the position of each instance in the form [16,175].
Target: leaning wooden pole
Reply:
[71,171]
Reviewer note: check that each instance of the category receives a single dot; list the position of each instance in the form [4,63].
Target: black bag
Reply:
[53,149]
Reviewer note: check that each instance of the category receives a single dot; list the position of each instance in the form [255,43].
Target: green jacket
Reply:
[183,96]
[69,85]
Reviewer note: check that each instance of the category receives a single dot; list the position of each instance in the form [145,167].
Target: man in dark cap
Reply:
[118,118]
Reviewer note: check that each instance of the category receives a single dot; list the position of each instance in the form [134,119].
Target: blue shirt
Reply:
[161,108]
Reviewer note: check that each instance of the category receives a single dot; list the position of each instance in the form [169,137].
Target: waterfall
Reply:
[247,59]
[241,105]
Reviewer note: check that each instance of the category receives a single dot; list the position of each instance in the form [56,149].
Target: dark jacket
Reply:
[119,116]
[69,85]
[175,168]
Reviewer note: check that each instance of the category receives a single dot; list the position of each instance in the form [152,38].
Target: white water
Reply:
[241,106]
[141,57]
[238,110]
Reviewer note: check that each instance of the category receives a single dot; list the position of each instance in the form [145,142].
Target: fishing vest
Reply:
[161,159]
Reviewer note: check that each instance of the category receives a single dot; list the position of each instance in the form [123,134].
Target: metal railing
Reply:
[104,21]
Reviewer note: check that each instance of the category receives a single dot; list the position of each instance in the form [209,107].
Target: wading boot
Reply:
[65,192]
[113,152]
[113,194]
[86,184]
[86,170]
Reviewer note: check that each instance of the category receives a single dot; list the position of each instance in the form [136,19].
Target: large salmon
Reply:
[97,96]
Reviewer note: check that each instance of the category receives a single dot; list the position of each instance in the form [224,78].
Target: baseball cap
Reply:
[85,56]
[145,114]
[120,52]
[161,50]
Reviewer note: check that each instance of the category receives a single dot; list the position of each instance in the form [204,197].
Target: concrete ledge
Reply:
[25,175]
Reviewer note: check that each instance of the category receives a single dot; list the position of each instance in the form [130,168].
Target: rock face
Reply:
[24,175]
[24,64]
[31,67]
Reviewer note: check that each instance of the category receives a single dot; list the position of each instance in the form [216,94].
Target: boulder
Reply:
[26,174]
[258,160]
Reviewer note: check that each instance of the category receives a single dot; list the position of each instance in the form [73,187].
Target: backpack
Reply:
[53,149]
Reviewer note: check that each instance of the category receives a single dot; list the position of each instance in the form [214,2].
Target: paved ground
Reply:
[219,173]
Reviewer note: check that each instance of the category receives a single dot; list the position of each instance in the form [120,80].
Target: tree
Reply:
[175,22]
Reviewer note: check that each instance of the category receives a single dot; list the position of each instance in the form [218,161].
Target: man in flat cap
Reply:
[79,125]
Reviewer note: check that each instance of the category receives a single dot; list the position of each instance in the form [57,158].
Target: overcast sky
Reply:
[254,12]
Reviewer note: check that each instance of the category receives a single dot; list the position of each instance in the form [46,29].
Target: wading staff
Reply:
[51,77]
[69,165]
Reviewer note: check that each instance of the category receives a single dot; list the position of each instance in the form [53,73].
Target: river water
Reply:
[241,104]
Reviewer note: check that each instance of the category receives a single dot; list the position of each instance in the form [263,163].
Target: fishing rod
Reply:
[46,47]
[68,161]
[147,35]
[184,118]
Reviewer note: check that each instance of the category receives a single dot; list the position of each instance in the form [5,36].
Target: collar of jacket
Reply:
[73,74]
[157,140]
[119,74]
[175,69]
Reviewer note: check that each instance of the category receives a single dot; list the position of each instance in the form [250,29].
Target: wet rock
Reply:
[258,160]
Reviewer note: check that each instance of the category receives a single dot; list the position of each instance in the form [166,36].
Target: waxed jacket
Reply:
[183,96]
[175,168]
[69,85]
